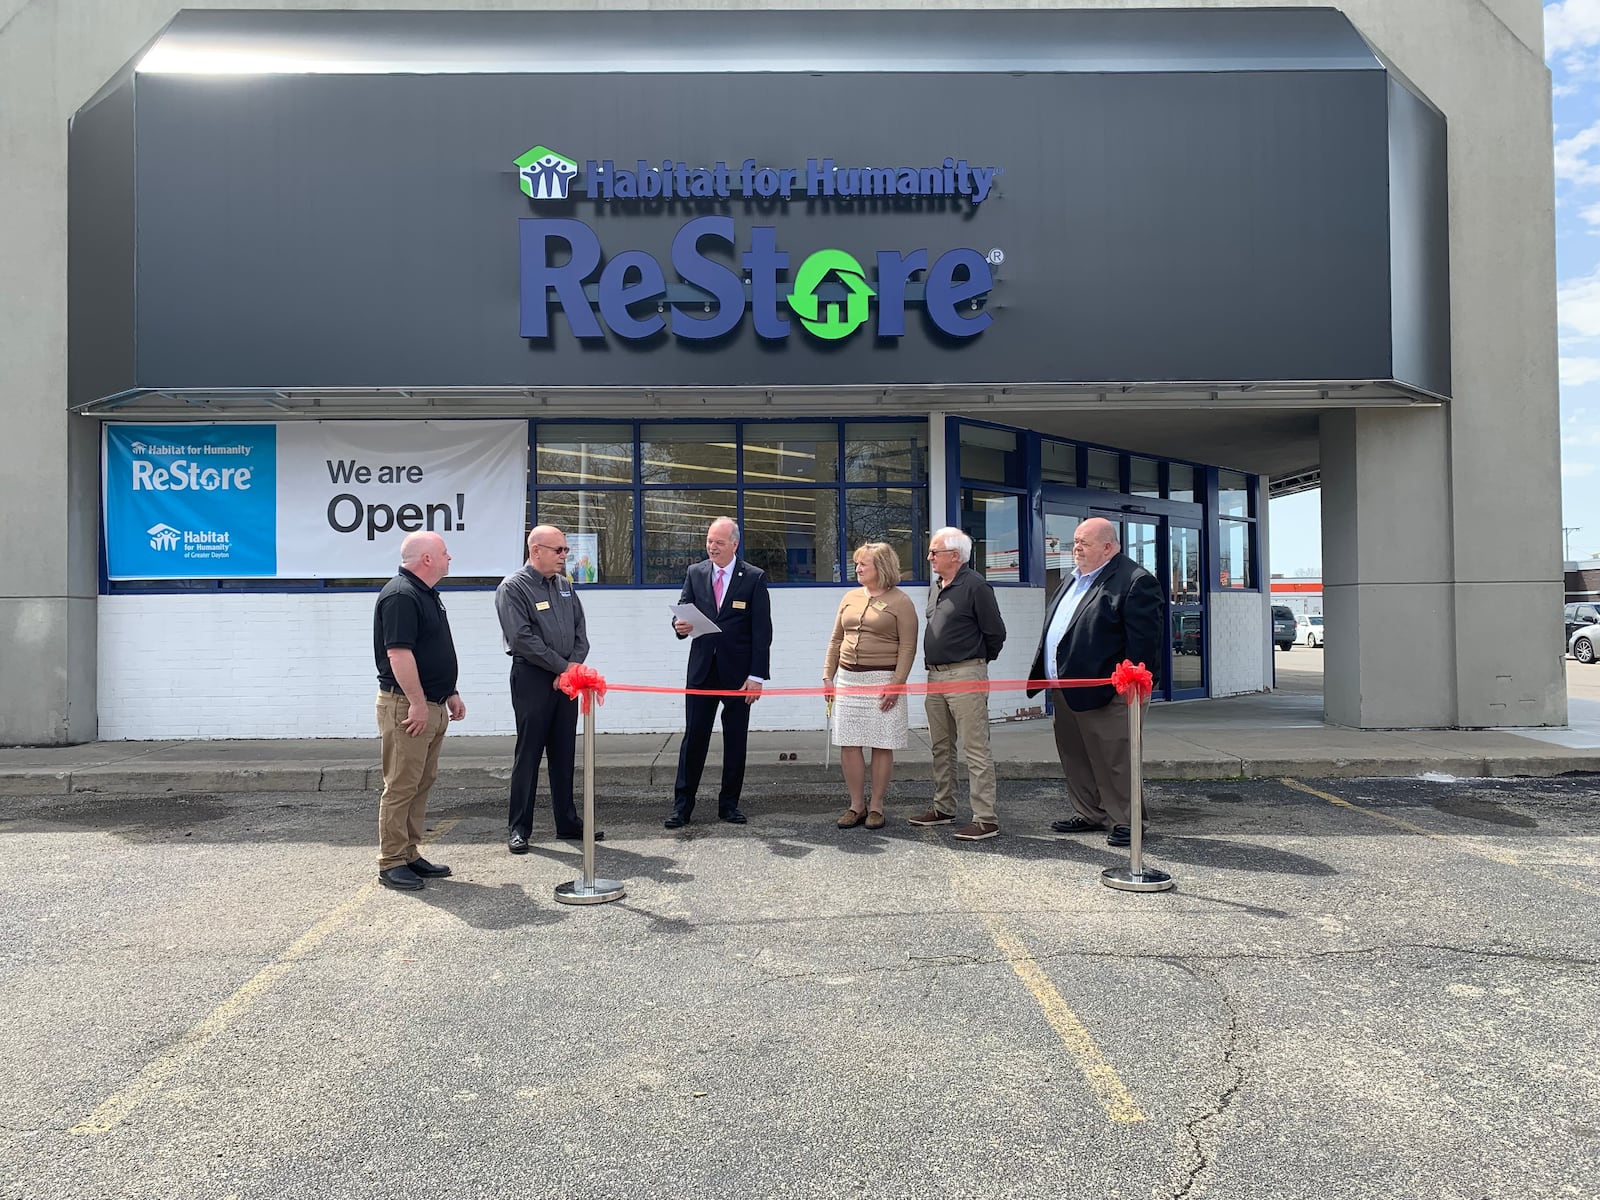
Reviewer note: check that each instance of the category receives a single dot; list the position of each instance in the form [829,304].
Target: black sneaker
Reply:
[428,870]
[402,879]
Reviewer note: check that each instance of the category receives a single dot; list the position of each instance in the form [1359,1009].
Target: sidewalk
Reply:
[1268,735]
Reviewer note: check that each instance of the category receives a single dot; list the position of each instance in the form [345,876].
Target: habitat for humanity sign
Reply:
[311,499]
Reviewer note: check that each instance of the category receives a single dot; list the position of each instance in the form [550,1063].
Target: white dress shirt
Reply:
[1063,617]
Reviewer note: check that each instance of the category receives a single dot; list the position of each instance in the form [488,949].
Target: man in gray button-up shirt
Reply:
[541,618]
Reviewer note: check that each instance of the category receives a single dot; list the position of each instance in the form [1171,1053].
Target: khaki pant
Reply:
[410,765]
[1094,748]
[964,715]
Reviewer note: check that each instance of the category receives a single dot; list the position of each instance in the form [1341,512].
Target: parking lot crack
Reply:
[1204,1130]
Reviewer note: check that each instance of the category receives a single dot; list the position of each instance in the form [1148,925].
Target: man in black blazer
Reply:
[733,593]
[1109,610]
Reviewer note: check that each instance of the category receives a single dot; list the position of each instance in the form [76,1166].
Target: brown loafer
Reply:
[851,818]
[874,820]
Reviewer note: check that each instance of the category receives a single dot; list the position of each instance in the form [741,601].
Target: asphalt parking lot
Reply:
[1357,989]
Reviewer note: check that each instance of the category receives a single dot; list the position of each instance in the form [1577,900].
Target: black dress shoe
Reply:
[1075,825]
[1122,835]
[576,835]
[401,878]
[733,817]
[428,870]
[676,821]
[517,843]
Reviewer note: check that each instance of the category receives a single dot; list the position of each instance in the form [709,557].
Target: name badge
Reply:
[542,605]
[738,604]
[879,605]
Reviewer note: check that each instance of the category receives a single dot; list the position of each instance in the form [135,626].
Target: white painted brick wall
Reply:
[294,665]
[1240,651]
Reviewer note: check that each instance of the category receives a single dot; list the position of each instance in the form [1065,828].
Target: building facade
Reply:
[291,282]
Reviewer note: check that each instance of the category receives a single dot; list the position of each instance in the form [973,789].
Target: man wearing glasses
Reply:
[964,635]
[541,619]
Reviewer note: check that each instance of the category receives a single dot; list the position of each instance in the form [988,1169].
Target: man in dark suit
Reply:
[1108,611]
[733,593]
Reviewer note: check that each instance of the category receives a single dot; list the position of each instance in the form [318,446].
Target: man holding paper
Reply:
[732,593]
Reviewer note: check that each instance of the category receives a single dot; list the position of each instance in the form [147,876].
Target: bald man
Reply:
[1111,609]
[417,700]
[542,621]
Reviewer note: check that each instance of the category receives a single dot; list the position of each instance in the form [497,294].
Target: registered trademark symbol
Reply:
[996,256]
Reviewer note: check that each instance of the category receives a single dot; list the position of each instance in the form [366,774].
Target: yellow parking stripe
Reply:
[1502,857]
[1102,1077]
[115,1109]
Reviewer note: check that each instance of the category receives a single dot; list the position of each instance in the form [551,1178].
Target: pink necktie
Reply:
[718,587]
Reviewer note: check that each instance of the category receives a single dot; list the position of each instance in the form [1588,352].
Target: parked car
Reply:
[1584,643]
[1579,615]
[1282,626]
[1309,631]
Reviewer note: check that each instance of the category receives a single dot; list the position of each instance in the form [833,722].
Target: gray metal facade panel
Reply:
[841,39]
[362,230]
[1419,231]
[100,262]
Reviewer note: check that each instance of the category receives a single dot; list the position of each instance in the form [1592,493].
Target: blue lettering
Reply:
[894,272]
[539,275]
[722,283]
[617,295]
[943,293]
[764,260]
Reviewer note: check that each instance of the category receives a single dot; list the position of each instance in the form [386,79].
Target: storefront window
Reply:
[688,453]
[991,455]
[599,528]
[1235,538]
[584,454]
[1144,477]
[1058,462]
[1233,494]
[791,453]
[993,521]
[675,524]
[885,452]
[1184,548]
[1104,473]
[893,515]
[793,535]
[1180,483]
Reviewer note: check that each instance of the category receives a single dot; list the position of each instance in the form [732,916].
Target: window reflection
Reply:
[793,535]
[992,519]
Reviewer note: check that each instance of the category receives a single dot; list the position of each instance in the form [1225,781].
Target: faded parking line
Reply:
[1102,1077]
[116,1108]
[1504,858]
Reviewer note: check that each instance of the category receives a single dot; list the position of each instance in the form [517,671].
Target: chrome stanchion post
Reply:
[589,890]
[1135,878]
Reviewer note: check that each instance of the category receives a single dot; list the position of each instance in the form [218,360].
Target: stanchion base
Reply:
[603,891]
[1147,880]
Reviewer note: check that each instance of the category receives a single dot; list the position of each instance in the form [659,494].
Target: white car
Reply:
[1584,644]
[1308,631]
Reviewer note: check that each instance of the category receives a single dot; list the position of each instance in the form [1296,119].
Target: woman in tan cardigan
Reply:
[873,646]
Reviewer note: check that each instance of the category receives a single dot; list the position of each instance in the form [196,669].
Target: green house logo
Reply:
[825,317]
[544,174]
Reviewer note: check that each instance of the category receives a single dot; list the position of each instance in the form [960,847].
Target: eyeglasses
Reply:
[554,549]
[935,553]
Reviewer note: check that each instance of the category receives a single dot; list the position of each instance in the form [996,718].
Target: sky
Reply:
[1572,50]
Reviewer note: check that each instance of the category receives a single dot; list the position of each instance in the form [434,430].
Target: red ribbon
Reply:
[581,682]
[1128,677]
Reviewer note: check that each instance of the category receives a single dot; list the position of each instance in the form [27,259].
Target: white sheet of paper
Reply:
[696,618]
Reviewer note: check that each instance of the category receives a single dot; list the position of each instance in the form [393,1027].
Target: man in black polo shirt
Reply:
[417,700]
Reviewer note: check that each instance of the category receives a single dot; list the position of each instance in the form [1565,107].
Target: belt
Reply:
[965,662]
[842,667]
[396,689]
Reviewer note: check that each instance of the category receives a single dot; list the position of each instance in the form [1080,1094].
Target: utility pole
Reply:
[1566,532]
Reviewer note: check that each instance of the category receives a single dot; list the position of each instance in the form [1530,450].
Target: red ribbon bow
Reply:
[581,682]
[1128,677]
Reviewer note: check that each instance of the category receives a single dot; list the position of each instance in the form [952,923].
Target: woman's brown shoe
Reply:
[851,819]
[874,820]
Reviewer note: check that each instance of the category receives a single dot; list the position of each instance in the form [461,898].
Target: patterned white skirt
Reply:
[857,719]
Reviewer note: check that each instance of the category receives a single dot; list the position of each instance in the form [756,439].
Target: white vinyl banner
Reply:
[350,491]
